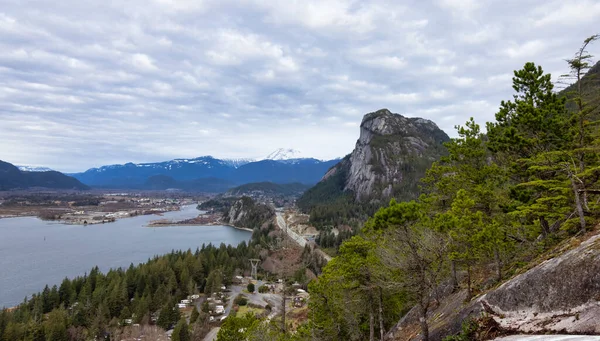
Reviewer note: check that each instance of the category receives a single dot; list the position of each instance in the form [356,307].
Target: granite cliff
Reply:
[560,295]
[391,155]
[247,213]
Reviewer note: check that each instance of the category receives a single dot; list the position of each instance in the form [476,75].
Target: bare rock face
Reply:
[391,155]
[246,213]
[560,295]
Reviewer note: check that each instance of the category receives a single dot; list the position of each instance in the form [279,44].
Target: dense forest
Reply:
[97,305]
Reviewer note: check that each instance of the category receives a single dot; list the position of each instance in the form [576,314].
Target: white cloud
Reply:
[89,83]
[143,62]
[569,13]
[528,49]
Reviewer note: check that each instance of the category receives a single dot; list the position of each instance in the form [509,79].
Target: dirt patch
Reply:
[285,261]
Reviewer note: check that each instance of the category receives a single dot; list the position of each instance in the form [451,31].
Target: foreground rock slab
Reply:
[549,338]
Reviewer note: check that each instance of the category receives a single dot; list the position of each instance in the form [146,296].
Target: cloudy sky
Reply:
[88,83]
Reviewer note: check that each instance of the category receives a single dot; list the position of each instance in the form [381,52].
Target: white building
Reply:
[219,309]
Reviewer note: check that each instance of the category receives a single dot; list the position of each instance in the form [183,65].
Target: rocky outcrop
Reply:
[392,154]
[560,295]
[247,213]
[390,157]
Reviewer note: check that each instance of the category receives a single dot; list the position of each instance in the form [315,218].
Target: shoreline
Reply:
[107,220]
[153,225]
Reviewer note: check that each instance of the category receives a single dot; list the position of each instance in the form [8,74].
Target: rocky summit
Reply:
[390,157]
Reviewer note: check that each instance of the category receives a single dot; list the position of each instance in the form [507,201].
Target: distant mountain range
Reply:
[208,172]
[12,177]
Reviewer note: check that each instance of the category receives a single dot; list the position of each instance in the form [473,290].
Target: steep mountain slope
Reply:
[247,213]
[12,178]
[391,156]
[232,171]
[590,86]
[559,295]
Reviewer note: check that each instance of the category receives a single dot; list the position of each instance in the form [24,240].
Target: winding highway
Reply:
[296,237]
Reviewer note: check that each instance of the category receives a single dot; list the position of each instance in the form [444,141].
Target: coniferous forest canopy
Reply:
[491,205]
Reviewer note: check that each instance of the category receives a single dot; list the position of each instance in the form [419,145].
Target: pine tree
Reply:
[194,315]
[181,331]
[526,133]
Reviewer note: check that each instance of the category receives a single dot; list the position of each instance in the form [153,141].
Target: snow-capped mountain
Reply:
[34,169]
[281,169]
[284,154]
[237,163]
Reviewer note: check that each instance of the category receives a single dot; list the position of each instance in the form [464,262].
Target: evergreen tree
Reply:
[194,316]
[181,332]
[526,131]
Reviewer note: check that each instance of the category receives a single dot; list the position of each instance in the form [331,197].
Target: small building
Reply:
[219,309]
[181,305]
[186,302]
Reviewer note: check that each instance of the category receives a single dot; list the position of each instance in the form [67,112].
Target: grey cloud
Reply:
[89,83]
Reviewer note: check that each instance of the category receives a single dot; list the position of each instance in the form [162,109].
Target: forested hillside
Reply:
[97,304]
[488,208]
[13,178]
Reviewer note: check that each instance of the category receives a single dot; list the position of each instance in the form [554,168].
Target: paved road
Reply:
[235,290]
[549,338]
[212,334]
[295,236]
[283,226]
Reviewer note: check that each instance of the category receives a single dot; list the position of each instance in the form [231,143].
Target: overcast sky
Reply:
[88,83]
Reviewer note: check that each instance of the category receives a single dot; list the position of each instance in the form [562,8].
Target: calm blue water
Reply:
[34,253]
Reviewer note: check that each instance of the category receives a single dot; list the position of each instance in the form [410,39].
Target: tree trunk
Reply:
[469,281]
[381,328]
[581,121]
[545,227]
[283,326]
[454,276]
[578,204]
[371,323]
[498,264]
[423,322]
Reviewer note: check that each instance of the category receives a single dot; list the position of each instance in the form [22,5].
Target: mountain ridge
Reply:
[11,177]
[234,171]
